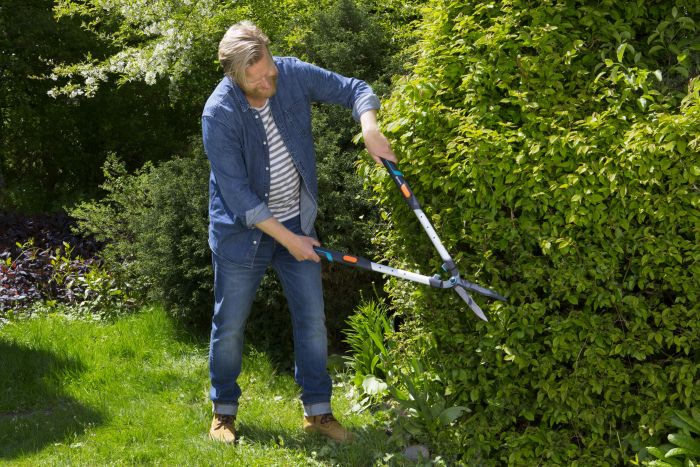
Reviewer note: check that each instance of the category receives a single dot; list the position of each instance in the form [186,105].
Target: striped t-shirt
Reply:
[283,201]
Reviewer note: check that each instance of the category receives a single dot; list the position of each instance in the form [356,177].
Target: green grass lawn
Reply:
[134,392]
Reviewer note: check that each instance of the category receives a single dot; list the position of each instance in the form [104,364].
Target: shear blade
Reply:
[472,304]
[482,290]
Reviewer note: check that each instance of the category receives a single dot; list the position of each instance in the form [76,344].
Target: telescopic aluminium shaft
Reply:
[460,285]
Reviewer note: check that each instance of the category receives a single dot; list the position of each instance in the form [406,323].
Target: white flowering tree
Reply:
[150,40]
[126,77]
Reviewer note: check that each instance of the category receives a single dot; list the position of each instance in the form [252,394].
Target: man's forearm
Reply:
[300,246]
[276,230]
[368,121]
[376,143]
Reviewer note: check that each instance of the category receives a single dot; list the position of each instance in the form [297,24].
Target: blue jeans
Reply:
[234,291]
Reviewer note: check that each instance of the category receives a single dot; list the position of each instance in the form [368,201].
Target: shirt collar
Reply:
[238,94]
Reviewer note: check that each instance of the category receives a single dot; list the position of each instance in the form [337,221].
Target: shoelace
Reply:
[327,418]
[225,420]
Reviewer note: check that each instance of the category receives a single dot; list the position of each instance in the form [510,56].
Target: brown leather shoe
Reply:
[223,429]
[328,426]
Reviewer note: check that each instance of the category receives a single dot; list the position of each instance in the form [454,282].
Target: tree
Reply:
[53,146]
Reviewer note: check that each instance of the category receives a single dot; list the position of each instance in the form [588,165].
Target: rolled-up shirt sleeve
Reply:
[225,155]
[258,214]
[363,104]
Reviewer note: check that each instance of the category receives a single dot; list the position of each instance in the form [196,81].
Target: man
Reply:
[256,128]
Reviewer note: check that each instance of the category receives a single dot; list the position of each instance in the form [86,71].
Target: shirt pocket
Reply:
[298,116]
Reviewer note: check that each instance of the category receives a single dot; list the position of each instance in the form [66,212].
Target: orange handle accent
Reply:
[349,259]
[406,192]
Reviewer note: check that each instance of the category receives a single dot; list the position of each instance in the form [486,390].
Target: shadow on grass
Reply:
[34,410]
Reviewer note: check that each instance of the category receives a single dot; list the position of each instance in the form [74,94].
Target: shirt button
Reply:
[267,168]
[255,242]
[264,143]
[265,195]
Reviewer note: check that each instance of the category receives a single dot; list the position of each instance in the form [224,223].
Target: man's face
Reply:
[261,81]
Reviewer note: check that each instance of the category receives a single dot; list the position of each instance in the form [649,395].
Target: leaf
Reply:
[685,441]
[374,362]
[656,452]
[659,75]
[671,462]
[687,23]
[676,452]
[695,413]
[685,422]
[451,414]
[377,340]
[373,385]
[621,50]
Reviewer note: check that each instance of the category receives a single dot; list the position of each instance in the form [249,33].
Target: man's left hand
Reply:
[376,143]
[378,146]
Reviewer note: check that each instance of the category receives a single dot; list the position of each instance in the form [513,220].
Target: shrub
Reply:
[368,329]
[420,403]
[348,40]
[560,168]
[154,225]
[684,447]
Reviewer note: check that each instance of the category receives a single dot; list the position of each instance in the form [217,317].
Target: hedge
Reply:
[554,146]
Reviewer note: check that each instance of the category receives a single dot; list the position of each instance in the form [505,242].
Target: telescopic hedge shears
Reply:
[454,282]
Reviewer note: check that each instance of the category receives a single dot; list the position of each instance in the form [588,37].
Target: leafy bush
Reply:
[43,277]
[554,147]
[154,225]
[52,148]
[87,288]
[347,40]
[369,327]
[684,449]
[423,407]
[420,403]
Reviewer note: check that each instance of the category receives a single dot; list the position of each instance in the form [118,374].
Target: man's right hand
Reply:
[300,246]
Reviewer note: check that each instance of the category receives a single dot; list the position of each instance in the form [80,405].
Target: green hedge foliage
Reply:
[554,145]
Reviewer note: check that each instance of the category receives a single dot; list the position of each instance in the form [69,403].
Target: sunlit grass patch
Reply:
[135,392]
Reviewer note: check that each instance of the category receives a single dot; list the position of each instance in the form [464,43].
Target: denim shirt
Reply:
[235,142]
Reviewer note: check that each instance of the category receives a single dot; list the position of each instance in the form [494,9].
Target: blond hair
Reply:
[243,45]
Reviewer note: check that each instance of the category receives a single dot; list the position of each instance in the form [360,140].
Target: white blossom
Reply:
[166,51]
[150,77]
